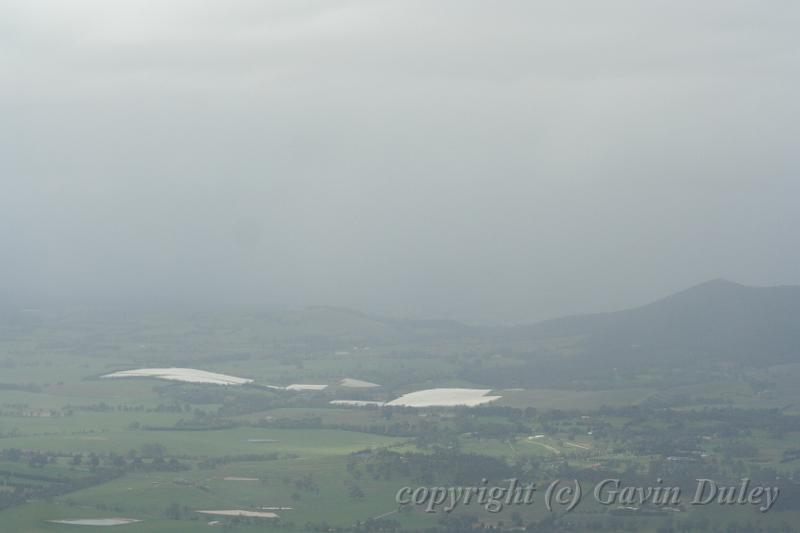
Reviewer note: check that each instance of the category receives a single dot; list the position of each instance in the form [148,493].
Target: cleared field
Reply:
[97,522]
[303,442]
[186,375]
[357,384]
[444,398]
[572,399]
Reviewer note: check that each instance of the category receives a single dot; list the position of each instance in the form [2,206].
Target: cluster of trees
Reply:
[25,387]
[26,486]
[439,465]
[151,457]
[213,462]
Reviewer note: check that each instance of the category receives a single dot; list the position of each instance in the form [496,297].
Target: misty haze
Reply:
[354,267]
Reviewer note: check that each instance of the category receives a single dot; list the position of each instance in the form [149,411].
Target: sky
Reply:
[484,161]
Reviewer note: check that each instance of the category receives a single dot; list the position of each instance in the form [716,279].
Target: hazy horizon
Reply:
[458,160]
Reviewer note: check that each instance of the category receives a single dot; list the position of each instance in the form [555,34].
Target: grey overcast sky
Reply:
[489,161]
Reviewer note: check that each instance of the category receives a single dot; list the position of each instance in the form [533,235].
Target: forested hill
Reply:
[714,321]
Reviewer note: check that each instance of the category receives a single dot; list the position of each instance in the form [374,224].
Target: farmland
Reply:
[75,446]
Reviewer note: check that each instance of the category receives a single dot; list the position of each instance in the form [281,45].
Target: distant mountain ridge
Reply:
[714,322]
[717,321]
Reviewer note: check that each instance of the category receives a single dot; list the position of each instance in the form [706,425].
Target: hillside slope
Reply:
[716,321]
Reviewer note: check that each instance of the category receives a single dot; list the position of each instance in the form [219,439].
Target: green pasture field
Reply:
[306,469]
[571,399]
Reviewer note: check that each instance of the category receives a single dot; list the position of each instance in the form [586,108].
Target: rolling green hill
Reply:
[717,321]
